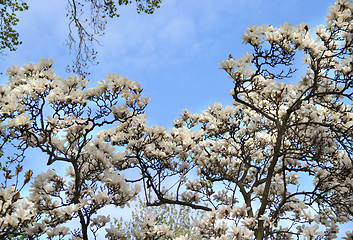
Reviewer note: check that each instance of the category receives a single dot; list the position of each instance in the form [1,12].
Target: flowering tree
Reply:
[145,219]
[59,117]
[278,163]
[275,165]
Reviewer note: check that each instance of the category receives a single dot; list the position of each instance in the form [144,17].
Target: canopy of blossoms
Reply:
[277,164]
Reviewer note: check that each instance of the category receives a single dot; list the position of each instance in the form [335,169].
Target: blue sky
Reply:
[174,53]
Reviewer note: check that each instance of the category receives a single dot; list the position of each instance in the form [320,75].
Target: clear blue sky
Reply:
[174,53]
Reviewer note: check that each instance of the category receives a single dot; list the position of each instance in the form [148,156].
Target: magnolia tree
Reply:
[275,165]
[59,117]
[278,163]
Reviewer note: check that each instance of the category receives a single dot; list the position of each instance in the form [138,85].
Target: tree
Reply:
[58,117]
[87,22]
[275,165]
[149,219]
[278,163]
[8,20]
